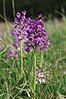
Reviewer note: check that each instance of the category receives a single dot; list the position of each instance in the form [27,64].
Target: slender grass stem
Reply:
[13,6]
[7,89]
[4,10]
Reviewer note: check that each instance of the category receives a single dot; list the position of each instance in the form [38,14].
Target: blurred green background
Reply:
[48,8]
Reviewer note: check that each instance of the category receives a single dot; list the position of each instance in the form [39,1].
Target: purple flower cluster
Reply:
[20,27]
[13,54]
[31,32]
[0,43]
[41,76]
[37,37]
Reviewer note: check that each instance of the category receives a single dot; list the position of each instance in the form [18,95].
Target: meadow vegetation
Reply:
[12,86]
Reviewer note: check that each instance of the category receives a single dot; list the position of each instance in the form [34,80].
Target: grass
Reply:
[12,86]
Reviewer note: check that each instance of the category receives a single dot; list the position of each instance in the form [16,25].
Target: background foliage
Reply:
[34,7]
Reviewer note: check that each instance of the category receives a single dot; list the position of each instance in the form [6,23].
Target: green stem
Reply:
[21,54]
[41,58]
[7,89]
[34,83]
